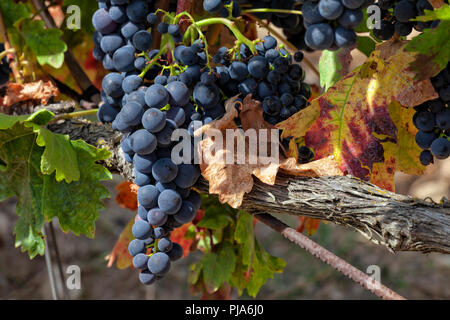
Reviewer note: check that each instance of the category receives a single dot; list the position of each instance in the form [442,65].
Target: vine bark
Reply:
[399,222]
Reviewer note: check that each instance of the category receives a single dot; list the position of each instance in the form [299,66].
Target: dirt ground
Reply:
[413,275]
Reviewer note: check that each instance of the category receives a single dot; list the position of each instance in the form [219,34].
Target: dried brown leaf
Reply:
[40,91]
[232,181]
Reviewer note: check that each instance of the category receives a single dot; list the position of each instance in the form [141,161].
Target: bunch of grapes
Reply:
[151,93]
[433,121]
[5,70]
[330,24]
[396,16]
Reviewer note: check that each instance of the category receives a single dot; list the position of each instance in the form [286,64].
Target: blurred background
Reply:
[413,275]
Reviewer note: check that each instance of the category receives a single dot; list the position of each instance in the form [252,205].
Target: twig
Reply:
[73,115]
[58,260]
[48,263]
[12,57]
[329,258]
[285,41]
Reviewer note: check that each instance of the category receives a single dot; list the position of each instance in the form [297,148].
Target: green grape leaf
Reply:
[40,196]
[218,266]
[256,266]
[443,13]
[333,65]
[263,268]
[23,179]
[59,155]
[215,218]
[13,12]
[46,44]
[245,236]
[76,204]
[366,45]
[433,45]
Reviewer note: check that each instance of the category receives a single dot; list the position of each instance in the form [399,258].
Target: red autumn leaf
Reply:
[309,224]
[120,253]
[37,91]
[361,120]
[179,236]
[127,195]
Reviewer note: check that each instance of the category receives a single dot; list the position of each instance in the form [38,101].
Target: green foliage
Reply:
[27,34]
[433,45]
[329,67]
[34,163]
[13,12]
[365,44]
[333,65]
[443,13]
[256,265]
[45,43]
[236,258]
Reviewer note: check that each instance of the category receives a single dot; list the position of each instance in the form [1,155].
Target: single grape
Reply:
[159,263]
[140,261]
[156,96]
[443,119]
[164,244]
[136,246]
[169,201]
[164,170]
[143,142]
[154,120]
[142,40]
[146,277]
[147,196]
[319,36]
[142,230]
[405,10]
[425,139]
[157,217]
[144,163]
[426,157]
[440,148]
[187,175]
[186,213]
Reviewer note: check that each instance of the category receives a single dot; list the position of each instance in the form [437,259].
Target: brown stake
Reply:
[329,258]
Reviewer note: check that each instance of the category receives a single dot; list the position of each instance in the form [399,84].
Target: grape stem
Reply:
[230,25]
[269,10]
[153,62]
[73,115]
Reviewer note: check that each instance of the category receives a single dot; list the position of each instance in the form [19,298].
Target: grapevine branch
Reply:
[399,222]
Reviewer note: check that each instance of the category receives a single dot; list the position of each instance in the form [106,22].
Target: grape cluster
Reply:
[396,16]
[432,118]
[5,70]
[330,24]
[133,105]
[148,94]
